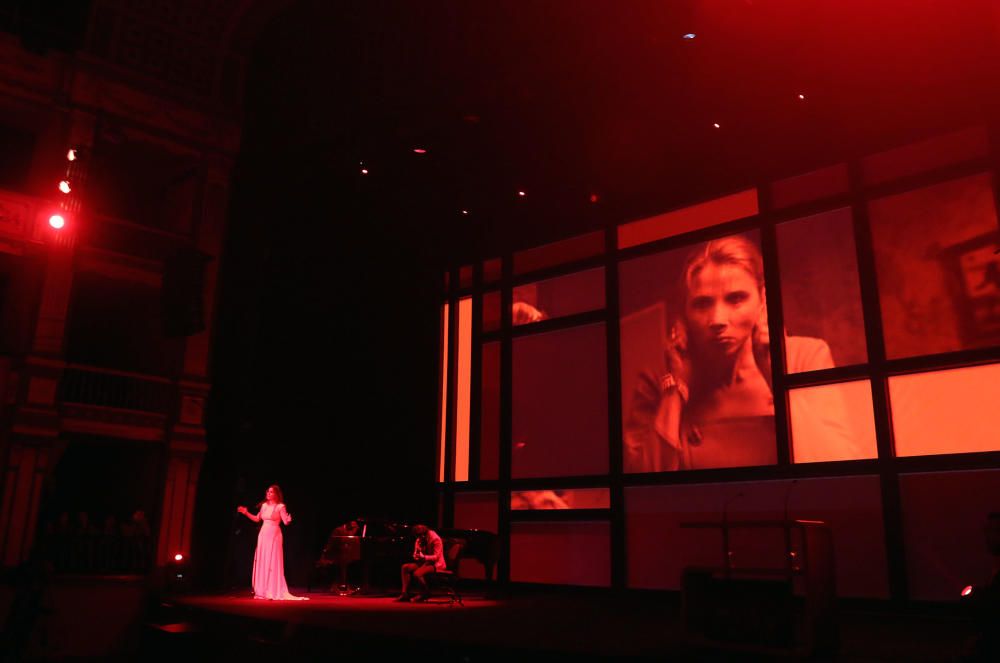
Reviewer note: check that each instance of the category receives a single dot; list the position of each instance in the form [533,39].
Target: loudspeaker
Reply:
[182,294]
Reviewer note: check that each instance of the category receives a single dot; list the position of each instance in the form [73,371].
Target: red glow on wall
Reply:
[686,219]
[594,197]
[463,388]
[57,221]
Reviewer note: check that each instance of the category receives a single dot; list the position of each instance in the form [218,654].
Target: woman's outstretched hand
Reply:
[242,509]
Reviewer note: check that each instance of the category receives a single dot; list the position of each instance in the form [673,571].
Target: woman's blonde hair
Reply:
[730,250]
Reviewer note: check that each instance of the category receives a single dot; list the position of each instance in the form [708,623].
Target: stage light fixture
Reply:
[522,194]
[71,155]
[967,591]
[802,97]
[594,198]
[689,36]
[57,221]
[419,150]
[364,171]
[178,557]
[64,186]
[465,212]
[716,125]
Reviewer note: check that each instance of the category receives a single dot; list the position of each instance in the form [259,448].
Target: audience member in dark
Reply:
[118,547]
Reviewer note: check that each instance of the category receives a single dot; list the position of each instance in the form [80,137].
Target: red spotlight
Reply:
[594,198]
[364,171]
[522,194]
[967,590]
[71,155]
[419,150]
[465,212]
[178,557]
[802,97]
[717,125]
[56,221]
[64,186]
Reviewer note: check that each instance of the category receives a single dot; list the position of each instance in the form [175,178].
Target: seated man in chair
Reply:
[428,556]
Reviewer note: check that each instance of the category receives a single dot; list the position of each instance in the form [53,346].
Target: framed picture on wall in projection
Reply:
[974,268]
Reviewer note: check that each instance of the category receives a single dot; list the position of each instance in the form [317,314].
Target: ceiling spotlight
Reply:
[364,171]
[419,150]
[802,97]
[594,198]
[56,221]
[465,212]
[71,155]
[64,186]
[690,35]
[522,194]
[716,125]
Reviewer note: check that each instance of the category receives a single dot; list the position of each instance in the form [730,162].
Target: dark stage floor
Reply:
[566,626]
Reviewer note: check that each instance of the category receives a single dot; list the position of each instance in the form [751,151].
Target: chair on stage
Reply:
[447,580]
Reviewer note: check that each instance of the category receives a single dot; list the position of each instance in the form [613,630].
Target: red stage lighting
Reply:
[465,212]
[802,97]
[57,221]
[967,590]
[419,150]
[71,155]
[364,171]
[717,125]
[64,186]
[594,197]
[522,194]
[690,36]
[178,557]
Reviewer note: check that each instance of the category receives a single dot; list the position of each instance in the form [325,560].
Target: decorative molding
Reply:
[15,215]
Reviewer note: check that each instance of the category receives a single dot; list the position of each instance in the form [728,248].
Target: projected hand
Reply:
[523,313]
[762,345]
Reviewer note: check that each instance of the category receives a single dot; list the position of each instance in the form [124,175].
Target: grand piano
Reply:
[382,546]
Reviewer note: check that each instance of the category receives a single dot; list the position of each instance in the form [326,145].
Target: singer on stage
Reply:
[269,558]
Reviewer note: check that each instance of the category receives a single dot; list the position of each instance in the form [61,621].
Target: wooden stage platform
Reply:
[536,623]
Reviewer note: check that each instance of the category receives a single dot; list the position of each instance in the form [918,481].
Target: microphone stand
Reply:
[725,534]
[789,553]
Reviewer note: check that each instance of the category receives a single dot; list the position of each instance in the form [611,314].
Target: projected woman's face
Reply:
[723,305]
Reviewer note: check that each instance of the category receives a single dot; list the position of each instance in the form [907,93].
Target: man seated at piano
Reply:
[428,557]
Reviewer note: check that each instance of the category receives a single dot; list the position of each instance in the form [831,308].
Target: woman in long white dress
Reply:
[269,558]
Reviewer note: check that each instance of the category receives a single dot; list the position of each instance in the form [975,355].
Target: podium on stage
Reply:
[775,599]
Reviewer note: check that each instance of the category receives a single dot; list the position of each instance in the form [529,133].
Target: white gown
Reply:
[269,559]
